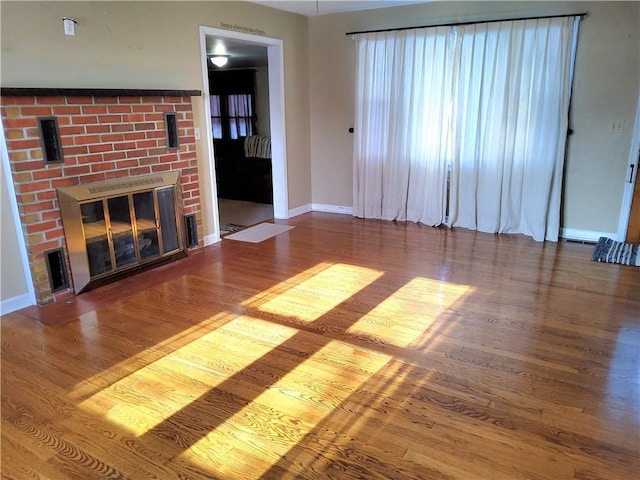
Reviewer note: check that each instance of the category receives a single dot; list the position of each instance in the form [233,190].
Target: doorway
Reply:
[211,38]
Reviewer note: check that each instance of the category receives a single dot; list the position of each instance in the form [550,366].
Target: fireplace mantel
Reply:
[94,92]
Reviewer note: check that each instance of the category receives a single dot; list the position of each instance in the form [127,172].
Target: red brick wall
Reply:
[102,138]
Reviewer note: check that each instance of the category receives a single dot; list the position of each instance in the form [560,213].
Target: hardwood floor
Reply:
[340,349]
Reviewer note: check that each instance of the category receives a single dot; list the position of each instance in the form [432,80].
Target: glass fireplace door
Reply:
[116,225]
[97,240]
[168,225]
[121,231]
[146,225]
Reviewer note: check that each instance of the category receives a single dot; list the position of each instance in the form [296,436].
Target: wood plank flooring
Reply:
[340,349]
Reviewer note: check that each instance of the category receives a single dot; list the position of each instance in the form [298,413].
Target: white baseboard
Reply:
[211,239]
[294,212]
[15,303]
[321,207]
[584,235]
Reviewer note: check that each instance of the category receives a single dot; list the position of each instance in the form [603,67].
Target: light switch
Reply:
[69,26]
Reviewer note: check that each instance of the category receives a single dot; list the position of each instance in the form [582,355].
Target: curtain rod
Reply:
[584,14]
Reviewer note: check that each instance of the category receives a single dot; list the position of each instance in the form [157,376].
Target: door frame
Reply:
[275,59]
[627,196]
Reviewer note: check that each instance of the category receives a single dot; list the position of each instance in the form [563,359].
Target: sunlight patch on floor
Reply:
[296,412]
[285,285]
[222,361]
[90,325]
[409,313]
[311,296]
[144,398]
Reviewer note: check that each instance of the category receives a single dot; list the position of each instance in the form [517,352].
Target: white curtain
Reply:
[511,105]
[489,99]
[401,122]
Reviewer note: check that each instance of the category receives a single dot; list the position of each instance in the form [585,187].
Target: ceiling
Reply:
[242,54]
[312,8]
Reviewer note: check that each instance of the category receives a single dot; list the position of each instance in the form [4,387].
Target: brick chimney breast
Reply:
[104,134]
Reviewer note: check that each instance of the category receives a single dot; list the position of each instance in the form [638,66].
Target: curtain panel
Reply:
[488,102]
[401,125]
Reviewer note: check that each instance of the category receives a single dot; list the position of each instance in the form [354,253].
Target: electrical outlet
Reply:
[616,126]
[196,133]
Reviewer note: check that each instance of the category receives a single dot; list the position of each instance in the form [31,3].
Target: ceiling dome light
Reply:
[219,60]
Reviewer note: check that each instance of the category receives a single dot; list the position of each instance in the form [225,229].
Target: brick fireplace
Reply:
[104,134]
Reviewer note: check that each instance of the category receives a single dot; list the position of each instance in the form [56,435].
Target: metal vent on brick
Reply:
[57,270]
[50,140]
[191,230]
[171,130]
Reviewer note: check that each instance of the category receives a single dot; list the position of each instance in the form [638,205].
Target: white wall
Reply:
[153,45]
[11,284]
[606,87]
